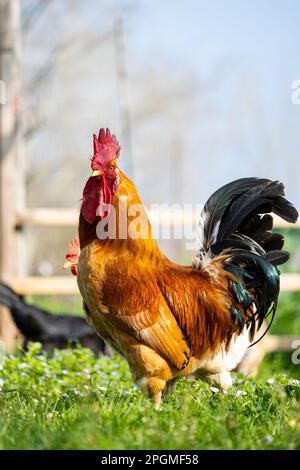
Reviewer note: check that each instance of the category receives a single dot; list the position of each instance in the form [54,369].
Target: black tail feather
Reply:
[236,223]
[277,257]
[263,198]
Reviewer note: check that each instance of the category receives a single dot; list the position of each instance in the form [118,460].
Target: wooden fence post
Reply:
[11,164]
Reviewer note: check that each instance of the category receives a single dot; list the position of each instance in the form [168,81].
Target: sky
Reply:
[233,42]
[242,58]
[261,39]
[261,34]
[219,73]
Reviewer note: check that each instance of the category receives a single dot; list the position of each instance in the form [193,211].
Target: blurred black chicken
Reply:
[51,330]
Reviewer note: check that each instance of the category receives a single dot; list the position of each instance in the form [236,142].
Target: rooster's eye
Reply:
[110,168]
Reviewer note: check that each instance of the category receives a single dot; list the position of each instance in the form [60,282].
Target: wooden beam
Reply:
[280,223]
[54,285]
[290,282]
[48,217]
[44,217]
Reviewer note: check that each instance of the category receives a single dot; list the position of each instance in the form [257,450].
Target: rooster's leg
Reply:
[171,387]
[153,388]
[149,370]
[222,379]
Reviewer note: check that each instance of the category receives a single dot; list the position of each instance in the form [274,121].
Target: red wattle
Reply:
[96,193]
[74,270]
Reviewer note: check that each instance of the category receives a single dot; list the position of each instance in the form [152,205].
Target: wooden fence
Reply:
[41,217]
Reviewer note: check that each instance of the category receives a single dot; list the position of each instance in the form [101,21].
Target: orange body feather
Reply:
[168,320]
[162,317]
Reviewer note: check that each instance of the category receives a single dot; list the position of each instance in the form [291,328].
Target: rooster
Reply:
[167,320]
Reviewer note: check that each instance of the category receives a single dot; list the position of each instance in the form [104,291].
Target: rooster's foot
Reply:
[153,388]
[221,380]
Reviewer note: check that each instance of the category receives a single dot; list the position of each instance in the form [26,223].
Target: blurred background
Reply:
[199,93]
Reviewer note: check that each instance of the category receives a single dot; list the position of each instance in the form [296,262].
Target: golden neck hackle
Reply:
[125,201]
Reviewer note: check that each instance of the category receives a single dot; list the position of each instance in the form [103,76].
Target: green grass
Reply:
[73,401]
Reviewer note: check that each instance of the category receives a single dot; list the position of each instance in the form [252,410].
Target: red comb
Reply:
[74,248]
[106,147]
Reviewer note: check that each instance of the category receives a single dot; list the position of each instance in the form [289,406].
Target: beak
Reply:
[97,173]
[68,265]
